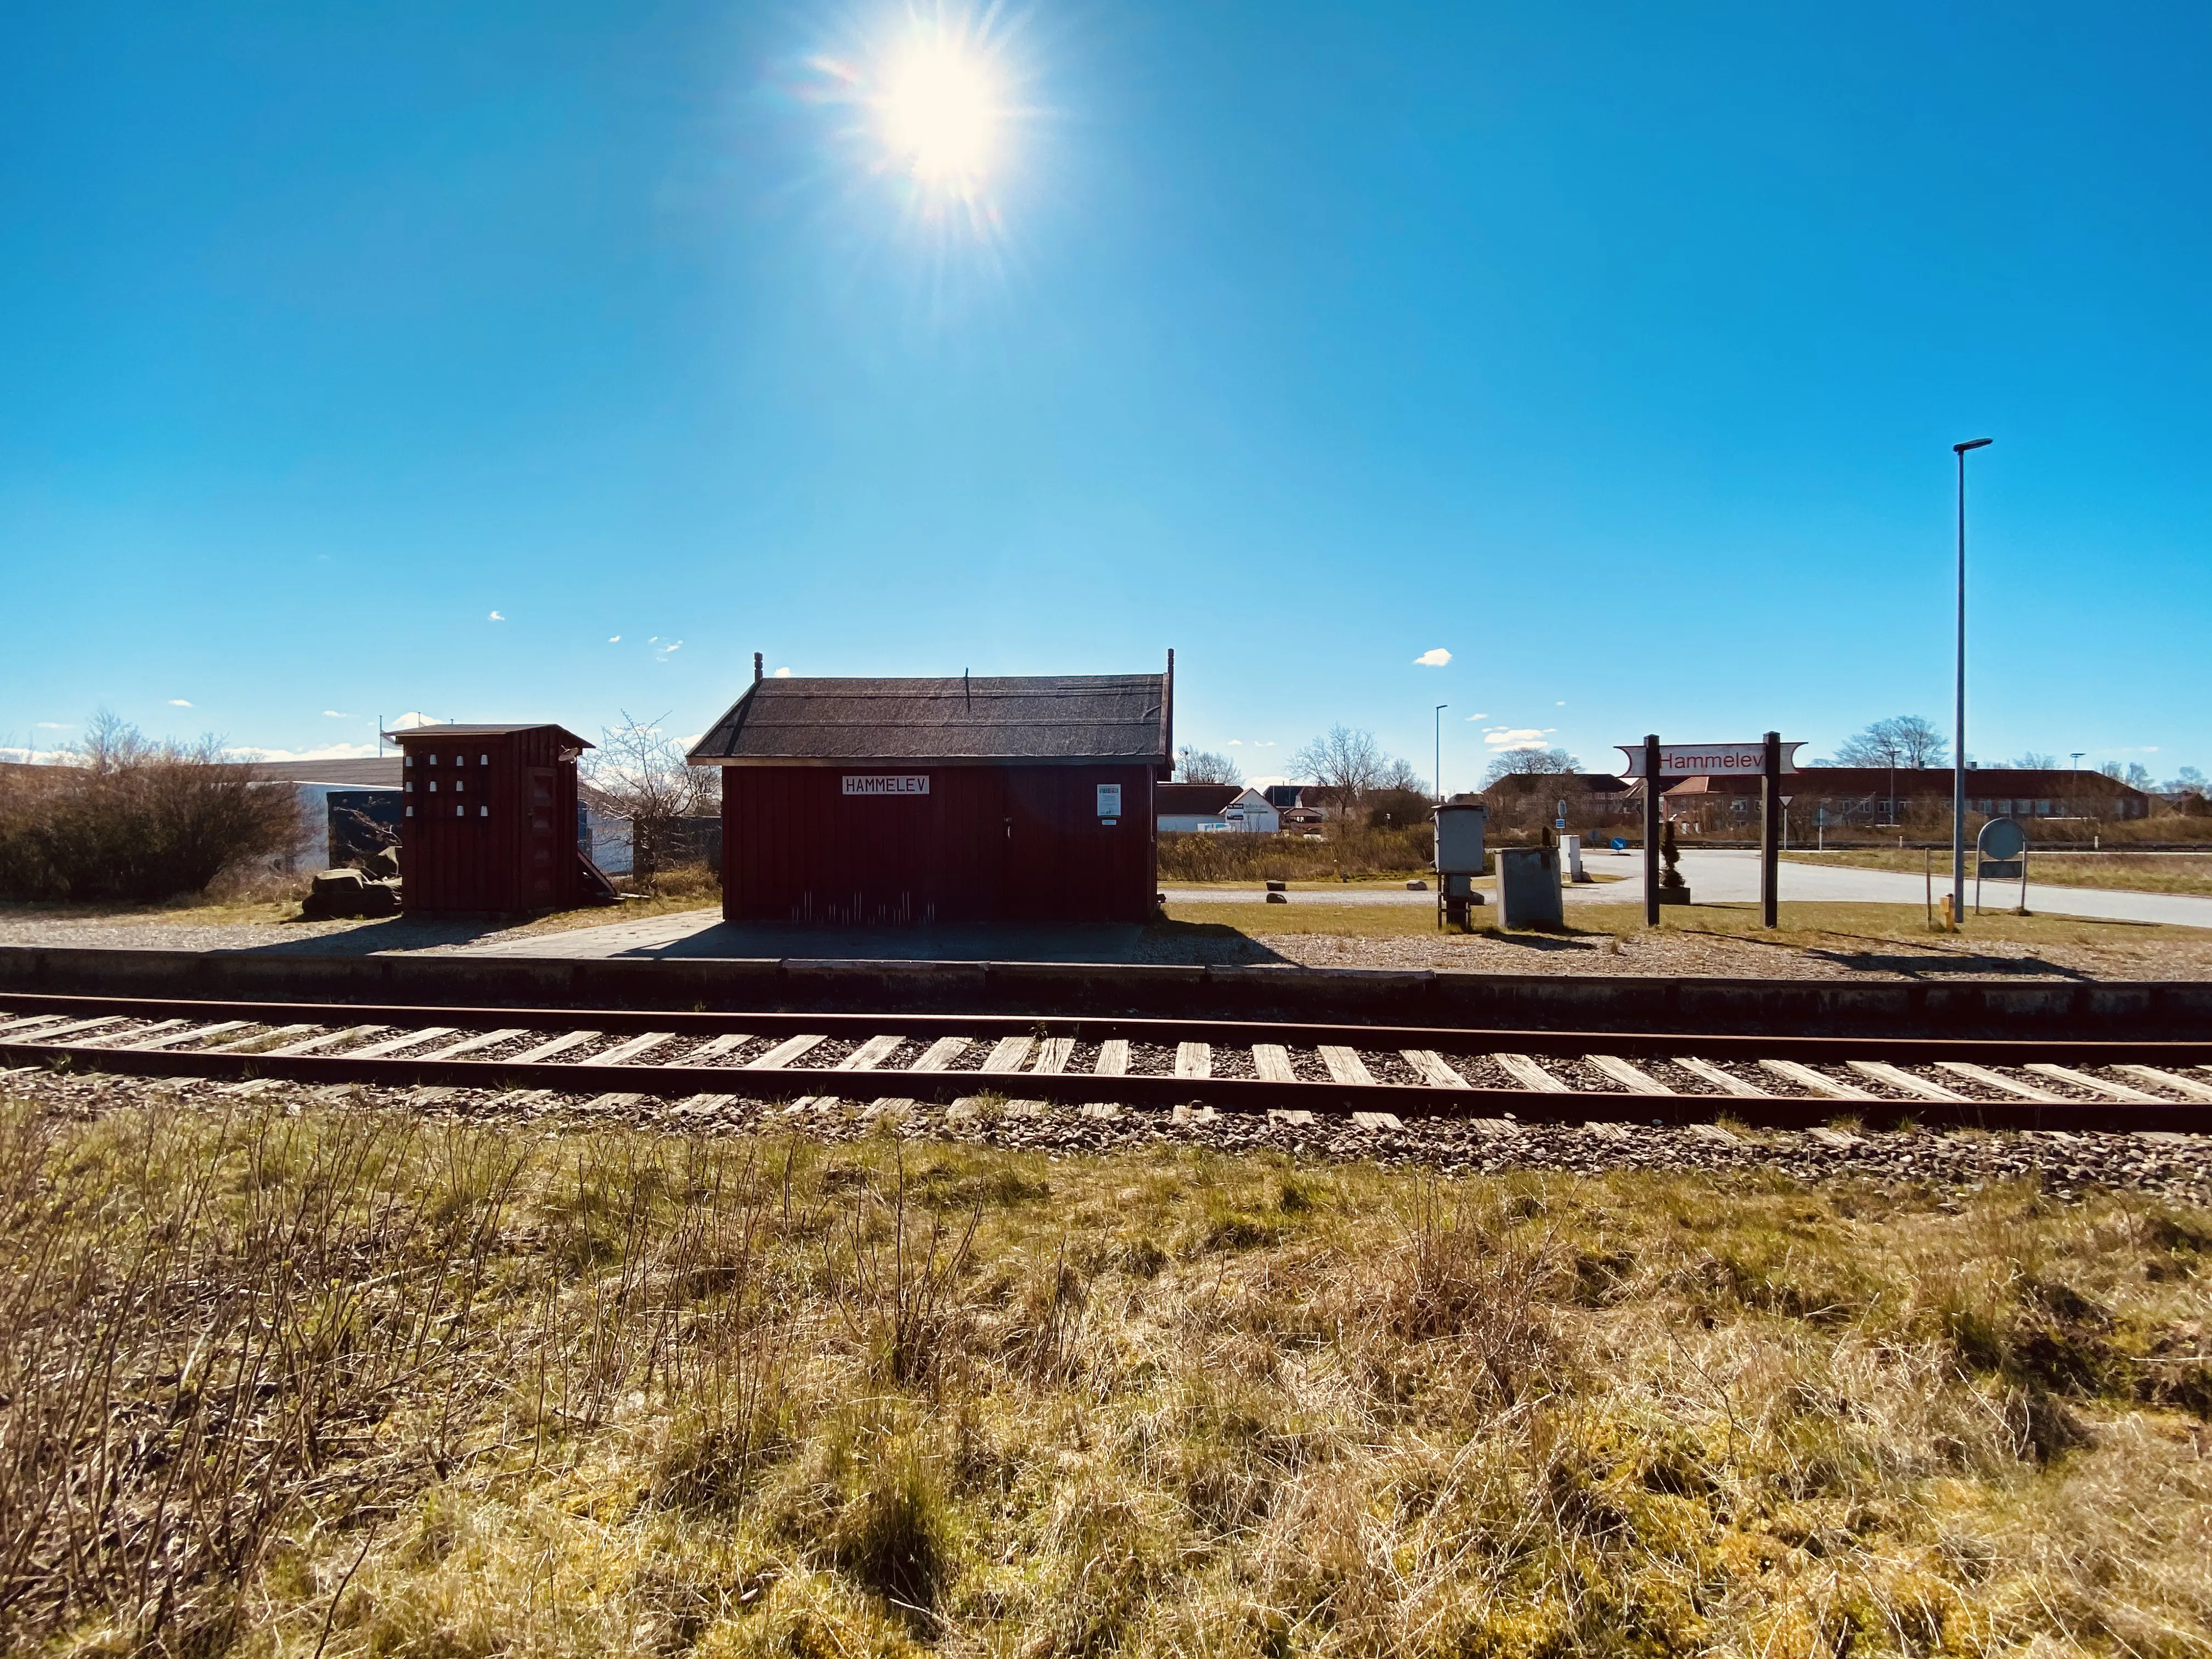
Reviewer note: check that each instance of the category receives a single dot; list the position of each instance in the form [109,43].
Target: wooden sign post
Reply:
[1770,838]
[1770,757]
[1651,817]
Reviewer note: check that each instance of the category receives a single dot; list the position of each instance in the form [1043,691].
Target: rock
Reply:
[1278,898]
[1417,887]
[337,894]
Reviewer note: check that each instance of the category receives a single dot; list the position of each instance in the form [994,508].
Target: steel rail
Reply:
[1566,1105]
[1458,1039]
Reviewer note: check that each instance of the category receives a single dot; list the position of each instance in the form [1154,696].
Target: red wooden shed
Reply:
[489,820]
[888,801]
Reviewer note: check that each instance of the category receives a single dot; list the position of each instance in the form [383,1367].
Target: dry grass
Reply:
[1803,926]
[349,1383]
[2134,873]
[1360,853]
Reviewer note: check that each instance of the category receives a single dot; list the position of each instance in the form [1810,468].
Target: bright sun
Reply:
[941,115]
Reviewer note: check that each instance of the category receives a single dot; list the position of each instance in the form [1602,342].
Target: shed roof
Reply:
[1057,718]
[458,729]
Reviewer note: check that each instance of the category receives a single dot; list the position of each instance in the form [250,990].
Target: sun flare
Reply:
[941,115]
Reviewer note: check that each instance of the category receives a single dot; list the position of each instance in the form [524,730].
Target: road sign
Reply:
[2002,839]
[1700,760]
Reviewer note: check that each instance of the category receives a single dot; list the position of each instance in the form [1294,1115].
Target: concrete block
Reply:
[1528,887]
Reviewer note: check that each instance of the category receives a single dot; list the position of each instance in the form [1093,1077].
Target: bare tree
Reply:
[1902,741]
[1196,765]
[2135,773]
[1530,763]
[1400,776]
[1349,764]
[640,770]
[2032,761]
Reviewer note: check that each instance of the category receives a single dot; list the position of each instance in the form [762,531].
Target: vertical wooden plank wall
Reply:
[987,843]
[510,846]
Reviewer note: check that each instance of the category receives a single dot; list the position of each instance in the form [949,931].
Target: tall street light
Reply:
[1440,751]
[1959,732]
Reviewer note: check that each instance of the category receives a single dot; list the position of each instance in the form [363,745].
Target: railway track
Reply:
[1303,1072]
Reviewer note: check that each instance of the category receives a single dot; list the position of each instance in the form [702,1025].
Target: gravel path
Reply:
[2066,1166]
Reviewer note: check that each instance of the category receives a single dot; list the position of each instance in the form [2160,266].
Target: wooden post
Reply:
[1651,831]
[1770,838]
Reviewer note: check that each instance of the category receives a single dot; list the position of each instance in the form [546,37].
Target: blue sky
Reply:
[1617,351]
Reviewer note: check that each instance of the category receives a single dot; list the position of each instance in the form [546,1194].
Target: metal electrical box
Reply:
[1459,860]
[1459,840]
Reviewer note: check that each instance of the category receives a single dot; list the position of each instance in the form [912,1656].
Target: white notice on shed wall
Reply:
[1109,800]
[886,783]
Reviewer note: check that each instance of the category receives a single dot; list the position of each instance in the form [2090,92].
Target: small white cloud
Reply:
[412,721]
[334,714]
[614,639]
[1435,659]
[783,673]
[1478,717]
[1560,704]
[1236,743]
[669,650]
[653,638]
[494,616]
[1514,736]
[54,726]
[178,702]
[692,741]
[1265,745]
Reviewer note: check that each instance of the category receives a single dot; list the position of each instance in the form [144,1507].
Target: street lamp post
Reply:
[1440,751]
[1958,725]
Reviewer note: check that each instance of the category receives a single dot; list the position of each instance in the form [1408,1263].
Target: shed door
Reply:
[543,841]
[1034,848]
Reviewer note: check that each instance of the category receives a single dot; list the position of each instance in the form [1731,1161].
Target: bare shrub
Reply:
[641,772]
[183,1360]
[899,1291]
[137,821]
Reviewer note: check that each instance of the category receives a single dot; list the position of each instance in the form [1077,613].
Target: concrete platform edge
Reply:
[2170,1008]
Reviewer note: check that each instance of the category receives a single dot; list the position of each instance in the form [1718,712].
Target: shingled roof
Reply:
[1053,719]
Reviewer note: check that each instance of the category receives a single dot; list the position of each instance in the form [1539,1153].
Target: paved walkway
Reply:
[694,933]
[1715,876]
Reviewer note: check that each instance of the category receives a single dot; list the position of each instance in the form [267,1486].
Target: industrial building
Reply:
[1874,795]
[891,801]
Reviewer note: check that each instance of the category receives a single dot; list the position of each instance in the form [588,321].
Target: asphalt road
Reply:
[1731,876]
